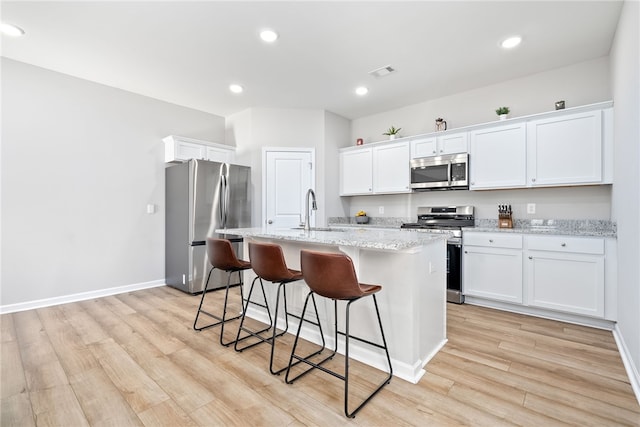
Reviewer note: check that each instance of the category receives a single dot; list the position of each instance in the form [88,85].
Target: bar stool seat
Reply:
[221,256]
[268,263]
[333,276]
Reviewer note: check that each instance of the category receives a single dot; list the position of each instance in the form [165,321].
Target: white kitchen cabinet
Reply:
[565,150]
[492,266]
[566,274]
[223,155]
[356,171]
[391,173]
[179,148]
[437,145]
[498,157]
[379,169]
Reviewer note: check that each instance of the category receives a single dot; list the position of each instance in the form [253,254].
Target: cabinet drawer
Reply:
[497,240]
[580,245]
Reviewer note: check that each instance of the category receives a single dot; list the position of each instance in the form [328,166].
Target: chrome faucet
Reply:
[314,206]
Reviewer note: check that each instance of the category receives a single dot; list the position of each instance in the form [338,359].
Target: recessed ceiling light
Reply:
[268,36]
[511,42]
[236,88]
[11,30]
[361,90]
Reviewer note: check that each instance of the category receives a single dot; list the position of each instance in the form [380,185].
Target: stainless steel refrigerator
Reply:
[200,197]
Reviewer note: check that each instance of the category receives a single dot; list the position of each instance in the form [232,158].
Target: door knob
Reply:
[269,222]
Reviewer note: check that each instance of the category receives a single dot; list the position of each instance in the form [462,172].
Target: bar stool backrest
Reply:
[267,261]
[330,275]
[221,254]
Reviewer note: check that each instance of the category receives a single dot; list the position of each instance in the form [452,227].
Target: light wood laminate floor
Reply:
[133,359]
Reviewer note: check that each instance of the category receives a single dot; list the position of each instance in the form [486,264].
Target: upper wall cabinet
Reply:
[356,172]
[498,157]
[391,173]
[450,143]
[178,148]
[380,169]
[568,147]
[565,150]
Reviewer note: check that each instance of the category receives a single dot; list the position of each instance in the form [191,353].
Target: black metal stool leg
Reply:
[305,358]
[224,311]
[250,333]
[386,381]
[204,292]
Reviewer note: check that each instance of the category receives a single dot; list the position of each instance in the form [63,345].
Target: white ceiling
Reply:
[188,53]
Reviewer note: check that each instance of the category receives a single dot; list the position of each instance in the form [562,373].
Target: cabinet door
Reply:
[220,155]
[498,157]
[566,282]
[453,143]
[494,273]
[424,147]
[187,150]
[565,149]
[356,172]
[391,170]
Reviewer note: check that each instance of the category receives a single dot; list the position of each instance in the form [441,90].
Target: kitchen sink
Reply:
[319,229]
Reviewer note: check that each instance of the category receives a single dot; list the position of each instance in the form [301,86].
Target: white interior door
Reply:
[287,175]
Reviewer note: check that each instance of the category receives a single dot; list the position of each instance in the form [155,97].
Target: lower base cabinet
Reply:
[566,274]
[560,273]
[492,267]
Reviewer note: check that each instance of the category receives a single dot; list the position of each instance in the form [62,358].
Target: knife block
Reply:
[505,220]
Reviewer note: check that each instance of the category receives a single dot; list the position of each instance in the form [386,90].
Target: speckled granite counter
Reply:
[565,227]
[365,238]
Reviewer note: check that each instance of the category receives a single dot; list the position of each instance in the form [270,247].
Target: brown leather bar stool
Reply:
[267,261]
[221,256]
[333,276]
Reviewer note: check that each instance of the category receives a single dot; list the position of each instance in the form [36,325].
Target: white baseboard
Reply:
[82,296]
[627,360]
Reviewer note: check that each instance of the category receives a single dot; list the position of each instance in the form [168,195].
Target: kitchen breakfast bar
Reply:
[409,265]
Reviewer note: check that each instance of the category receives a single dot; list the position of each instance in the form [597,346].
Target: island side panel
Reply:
[413,301]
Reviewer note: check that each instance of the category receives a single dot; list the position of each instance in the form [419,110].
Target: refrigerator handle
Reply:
[226,195]
[221,206]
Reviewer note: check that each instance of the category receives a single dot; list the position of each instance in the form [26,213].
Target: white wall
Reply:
[625,66]
[557,203]
[578,84]
[80,163]
[256,128]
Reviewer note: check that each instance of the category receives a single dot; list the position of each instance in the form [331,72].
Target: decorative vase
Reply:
[392,137]
[503,116]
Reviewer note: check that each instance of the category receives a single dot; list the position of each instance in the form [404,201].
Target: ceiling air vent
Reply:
[382,72]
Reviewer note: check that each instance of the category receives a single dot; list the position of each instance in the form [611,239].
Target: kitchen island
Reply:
[410,266]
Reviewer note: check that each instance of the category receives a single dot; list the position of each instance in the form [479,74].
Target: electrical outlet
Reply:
[380,210]
[531,208]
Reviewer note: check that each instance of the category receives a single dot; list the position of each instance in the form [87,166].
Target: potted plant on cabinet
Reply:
[502,112]
[392,132]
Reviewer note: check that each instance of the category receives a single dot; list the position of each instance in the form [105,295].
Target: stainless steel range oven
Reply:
[447,219]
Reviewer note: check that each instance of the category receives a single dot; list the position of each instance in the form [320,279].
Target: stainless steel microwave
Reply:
[448,172]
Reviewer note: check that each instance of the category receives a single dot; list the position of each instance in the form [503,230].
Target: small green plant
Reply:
[502,110]
[392,131]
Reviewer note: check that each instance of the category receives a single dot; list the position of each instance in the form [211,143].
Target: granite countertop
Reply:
[565,227]
[366,238]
